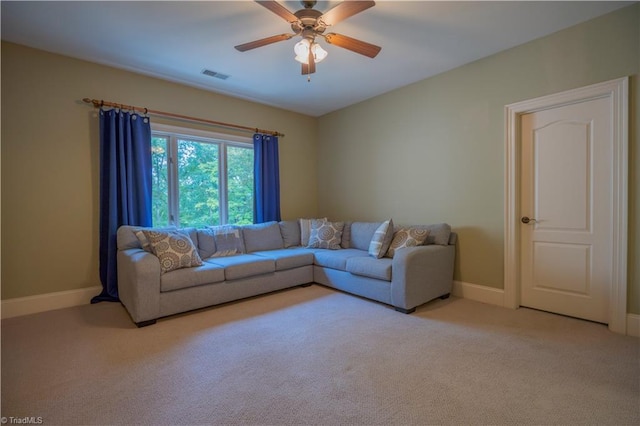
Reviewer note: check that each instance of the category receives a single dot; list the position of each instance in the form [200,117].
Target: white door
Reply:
[566,198]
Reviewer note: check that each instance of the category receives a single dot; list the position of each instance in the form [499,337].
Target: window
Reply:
[200,178]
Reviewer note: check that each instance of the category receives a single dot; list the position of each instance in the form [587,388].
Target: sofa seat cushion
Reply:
[370,267]
[244,265]
[288,258]
[190,277]
[336,259]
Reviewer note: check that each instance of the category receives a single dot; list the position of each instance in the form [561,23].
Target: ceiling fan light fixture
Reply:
[301,50]
[318,52]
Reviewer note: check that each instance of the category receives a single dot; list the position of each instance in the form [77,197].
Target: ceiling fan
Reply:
[309,24]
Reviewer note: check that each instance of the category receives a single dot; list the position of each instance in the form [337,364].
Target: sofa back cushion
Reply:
[439,233]
[262,236]
[362,233]
[229,240]
[206,243]
[192,233]
[346,236]
[290,230]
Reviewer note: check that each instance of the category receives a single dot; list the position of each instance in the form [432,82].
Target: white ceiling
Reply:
[177,40]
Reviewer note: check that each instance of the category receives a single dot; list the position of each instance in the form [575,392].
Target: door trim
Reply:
[618,91]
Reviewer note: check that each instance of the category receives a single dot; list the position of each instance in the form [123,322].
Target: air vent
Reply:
[215,74]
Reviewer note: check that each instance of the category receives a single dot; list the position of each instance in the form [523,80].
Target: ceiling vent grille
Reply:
[215,74]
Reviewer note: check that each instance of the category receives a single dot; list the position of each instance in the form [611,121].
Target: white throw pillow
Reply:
[381,239]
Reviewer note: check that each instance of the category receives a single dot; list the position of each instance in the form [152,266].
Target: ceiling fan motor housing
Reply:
[309,23]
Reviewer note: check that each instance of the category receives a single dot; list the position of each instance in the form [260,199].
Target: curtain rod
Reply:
[100,103]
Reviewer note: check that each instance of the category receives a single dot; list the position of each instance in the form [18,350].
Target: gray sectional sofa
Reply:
[273,258]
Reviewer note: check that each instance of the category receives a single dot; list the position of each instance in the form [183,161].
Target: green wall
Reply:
[50,160]
[434,151]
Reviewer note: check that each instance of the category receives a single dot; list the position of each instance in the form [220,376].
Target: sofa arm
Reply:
[421,274]
[139,284]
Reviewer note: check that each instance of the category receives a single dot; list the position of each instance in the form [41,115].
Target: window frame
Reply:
[173,134]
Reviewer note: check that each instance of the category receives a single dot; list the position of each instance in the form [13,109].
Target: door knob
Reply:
[526,219]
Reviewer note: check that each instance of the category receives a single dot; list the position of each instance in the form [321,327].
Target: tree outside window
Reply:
[200,181]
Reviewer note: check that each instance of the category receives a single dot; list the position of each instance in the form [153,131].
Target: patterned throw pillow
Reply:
[381,239]
[325,235]
[305,230]
[174,249]
[407,237]
[228,239]
[144,243]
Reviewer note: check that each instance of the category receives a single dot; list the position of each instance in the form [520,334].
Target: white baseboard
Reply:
[479,293]
[633,325]
[495,296]
[47,302]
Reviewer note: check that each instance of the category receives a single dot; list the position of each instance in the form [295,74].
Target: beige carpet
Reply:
[317,356]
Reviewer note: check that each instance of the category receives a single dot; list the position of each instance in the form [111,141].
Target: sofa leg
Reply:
[445,296]
[306,285]
[145,323]
[405,311]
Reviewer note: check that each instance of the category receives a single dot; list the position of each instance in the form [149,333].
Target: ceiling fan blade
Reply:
[279,10]
[344,10]
[355,45]
[263,42]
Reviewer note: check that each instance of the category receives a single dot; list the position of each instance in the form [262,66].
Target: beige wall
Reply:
[429,152]
[50,160]
[434,151]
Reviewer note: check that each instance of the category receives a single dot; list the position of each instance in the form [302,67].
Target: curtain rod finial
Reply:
[95,102]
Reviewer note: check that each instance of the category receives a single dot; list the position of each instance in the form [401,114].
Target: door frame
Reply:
[618,91]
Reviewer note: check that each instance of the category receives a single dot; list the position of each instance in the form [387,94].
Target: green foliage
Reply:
[160,186]
[240,185]
[199,183]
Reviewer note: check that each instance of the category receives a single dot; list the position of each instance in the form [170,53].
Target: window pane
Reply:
[240,184]
[160,191]
[199,200]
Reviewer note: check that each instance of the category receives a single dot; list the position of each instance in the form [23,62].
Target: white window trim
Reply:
[189,133]
[223,140]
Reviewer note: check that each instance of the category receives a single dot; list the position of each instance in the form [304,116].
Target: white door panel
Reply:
[566,185]
[564,148]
